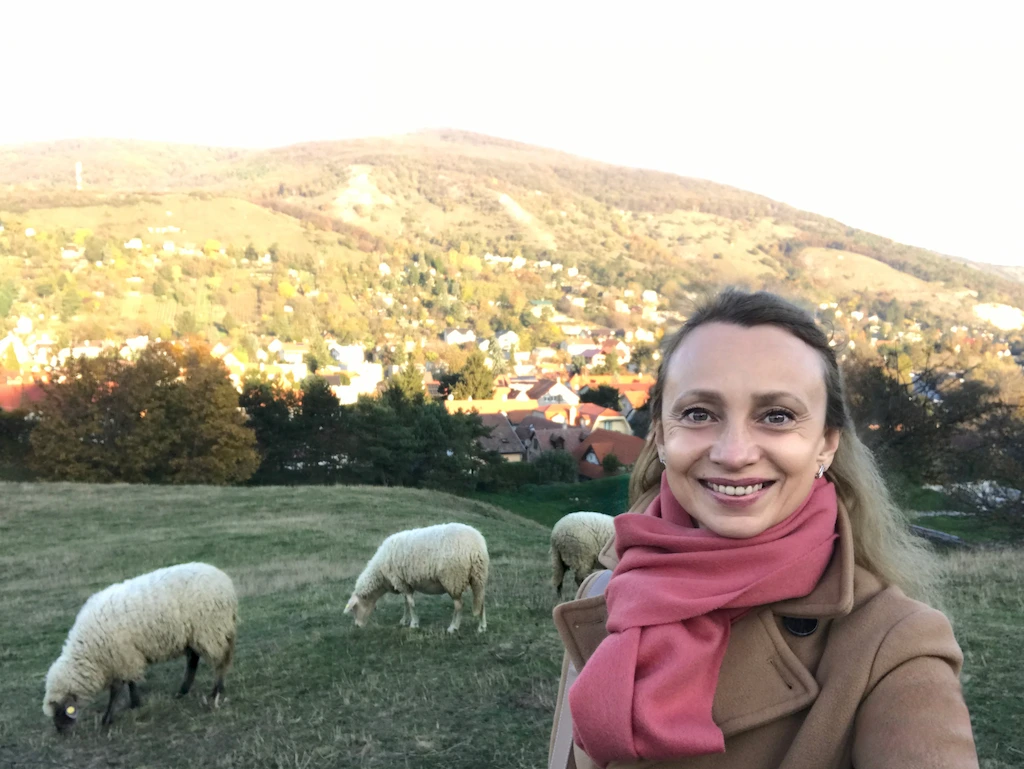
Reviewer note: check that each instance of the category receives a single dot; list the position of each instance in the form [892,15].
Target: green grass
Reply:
[976,531]
[310,690]
[546,504]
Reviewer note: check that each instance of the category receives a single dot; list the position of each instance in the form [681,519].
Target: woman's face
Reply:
[742,428]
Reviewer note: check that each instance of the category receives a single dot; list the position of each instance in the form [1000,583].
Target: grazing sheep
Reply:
[576,541]
[446,558]
[190,609]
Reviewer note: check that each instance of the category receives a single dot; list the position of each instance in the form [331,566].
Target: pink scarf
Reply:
[647,691]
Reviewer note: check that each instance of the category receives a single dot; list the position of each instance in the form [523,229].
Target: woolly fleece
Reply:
[448,557]
[576,541]
[150,618]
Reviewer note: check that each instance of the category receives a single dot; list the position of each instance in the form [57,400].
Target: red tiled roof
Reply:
[626,448]
[20,396]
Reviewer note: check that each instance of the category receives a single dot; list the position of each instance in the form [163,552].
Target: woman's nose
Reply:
[734,447]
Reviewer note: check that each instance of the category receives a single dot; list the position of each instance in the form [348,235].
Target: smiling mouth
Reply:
[736,491]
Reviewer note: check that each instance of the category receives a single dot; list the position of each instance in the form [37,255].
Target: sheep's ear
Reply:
[352,603]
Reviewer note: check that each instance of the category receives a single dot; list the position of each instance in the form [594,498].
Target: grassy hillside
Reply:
[308,688]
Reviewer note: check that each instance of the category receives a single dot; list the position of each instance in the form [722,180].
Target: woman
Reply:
[758,612]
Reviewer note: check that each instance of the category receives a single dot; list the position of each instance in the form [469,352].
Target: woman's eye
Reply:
[778,417]
[696,416]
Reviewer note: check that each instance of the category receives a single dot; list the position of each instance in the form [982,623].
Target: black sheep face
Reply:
[65,714]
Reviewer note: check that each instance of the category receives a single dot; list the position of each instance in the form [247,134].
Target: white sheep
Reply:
[446,558]
[576,541]
[190,609]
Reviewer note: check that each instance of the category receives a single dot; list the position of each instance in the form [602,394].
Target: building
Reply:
[594,450]
[550,391]
[459,336]
[502,438]
[594,417]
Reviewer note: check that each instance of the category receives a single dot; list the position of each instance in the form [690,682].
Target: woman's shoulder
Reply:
[900,628]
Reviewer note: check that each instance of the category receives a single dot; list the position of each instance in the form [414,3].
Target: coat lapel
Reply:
[761,679]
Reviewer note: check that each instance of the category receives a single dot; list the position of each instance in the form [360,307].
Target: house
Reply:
[621,349]
[631,400]
[347,356]
[595,417]
[487,406]
[560,413]
[594,450]
[595,358]
[135,244]
[649,297]
[549,391]
[502,438]
[459,336]
[537,307]
[20,396]
[293,353]
[506,340]
[540,435]
[582,382]
[72,251]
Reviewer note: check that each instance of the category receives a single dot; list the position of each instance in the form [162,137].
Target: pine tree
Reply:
[476,380]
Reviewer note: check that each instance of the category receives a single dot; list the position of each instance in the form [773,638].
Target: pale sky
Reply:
[901,118]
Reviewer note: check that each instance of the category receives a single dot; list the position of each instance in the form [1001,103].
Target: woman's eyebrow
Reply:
[774,396]
[710,396]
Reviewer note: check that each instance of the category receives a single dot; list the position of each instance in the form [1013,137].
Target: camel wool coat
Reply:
[855,674]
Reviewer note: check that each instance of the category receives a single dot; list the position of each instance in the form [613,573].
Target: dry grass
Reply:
[308,689]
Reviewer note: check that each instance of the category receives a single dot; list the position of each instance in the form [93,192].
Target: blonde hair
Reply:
[883,542]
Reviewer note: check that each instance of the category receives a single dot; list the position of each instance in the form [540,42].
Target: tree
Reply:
[170,417]
[476,380]
[251,254]
[603,395]
[10,362]
[8,293]
[611,364]
[408,382]
[642,358]
[186,323]
[611,464]
[70,304]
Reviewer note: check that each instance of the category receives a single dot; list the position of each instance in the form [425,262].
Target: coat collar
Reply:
[757,650]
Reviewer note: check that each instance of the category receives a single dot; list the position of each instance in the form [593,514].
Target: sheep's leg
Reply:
[479,588]
[133,695]
[115,689]
[410,604]
[405,613]
[457,617]
[191,663]
[557,573]
[218,690]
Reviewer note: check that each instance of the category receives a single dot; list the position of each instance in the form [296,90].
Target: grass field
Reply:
[309,689]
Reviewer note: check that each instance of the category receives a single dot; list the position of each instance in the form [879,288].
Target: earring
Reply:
[821,471]
[661,459]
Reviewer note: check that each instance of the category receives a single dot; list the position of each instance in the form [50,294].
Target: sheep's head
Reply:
[65,713]
[360,609]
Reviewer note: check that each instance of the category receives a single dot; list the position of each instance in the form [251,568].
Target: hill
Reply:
[329,213]
[310,690]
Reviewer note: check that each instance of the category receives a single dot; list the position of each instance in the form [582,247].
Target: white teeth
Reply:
[736,491]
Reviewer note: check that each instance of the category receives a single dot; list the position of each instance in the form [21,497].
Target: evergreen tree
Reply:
[408,382]
[476,380]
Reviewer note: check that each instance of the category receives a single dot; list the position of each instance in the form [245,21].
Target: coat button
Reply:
[799,626]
